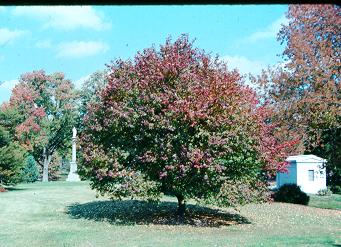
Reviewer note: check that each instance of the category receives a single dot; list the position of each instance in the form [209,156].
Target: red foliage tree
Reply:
[46,114]
[177,121]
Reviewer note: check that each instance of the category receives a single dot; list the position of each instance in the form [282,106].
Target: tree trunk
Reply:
[47,159]
[181,205]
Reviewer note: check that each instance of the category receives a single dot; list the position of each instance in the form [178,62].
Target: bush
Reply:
[291,193]
[31,172]
[325,192]
[336,189]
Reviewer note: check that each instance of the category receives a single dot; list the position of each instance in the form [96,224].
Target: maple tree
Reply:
[176,120]
[46,106]
[306,91]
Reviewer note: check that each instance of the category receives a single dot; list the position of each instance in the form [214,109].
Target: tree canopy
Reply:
[176,120]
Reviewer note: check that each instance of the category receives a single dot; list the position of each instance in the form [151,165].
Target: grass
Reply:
[69,214]
[331,202]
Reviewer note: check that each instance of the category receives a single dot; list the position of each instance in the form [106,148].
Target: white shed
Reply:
[307,171]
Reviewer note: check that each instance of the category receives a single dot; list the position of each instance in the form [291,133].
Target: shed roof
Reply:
[305,158]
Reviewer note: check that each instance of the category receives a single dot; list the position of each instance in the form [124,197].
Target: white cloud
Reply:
[6,89]
[7,35]
[8,85]
[268,32]
[244,65]
[78,83]
[64,17]
[78,49]
[44,44]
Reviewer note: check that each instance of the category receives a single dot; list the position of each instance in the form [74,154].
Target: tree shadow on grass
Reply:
[131,212]
[14,188]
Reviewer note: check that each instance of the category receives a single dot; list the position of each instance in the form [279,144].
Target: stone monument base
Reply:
[73,177]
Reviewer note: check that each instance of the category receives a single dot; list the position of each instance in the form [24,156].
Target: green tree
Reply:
[330,148]
[12,159]
[30,172]
[90,93]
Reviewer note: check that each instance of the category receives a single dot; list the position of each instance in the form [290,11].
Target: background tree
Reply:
[87,95]
[46,104]
[12,159]
[330,148]
[89,92]
[30,171]
[177,121]
[306,92]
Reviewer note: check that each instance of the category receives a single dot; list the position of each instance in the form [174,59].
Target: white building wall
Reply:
[298,173]
[303,177]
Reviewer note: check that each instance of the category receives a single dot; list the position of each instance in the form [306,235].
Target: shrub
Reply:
[325,192]
[291,193]
[31,172]
[336,189]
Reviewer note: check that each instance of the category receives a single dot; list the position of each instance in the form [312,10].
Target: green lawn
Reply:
[332,202]
[68,214]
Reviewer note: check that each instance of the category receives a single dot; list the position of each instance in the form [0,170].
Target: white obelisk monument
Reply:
[73,176]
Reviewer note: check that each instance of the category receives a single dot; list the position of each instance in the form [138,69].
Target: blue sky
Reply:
[78,40]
